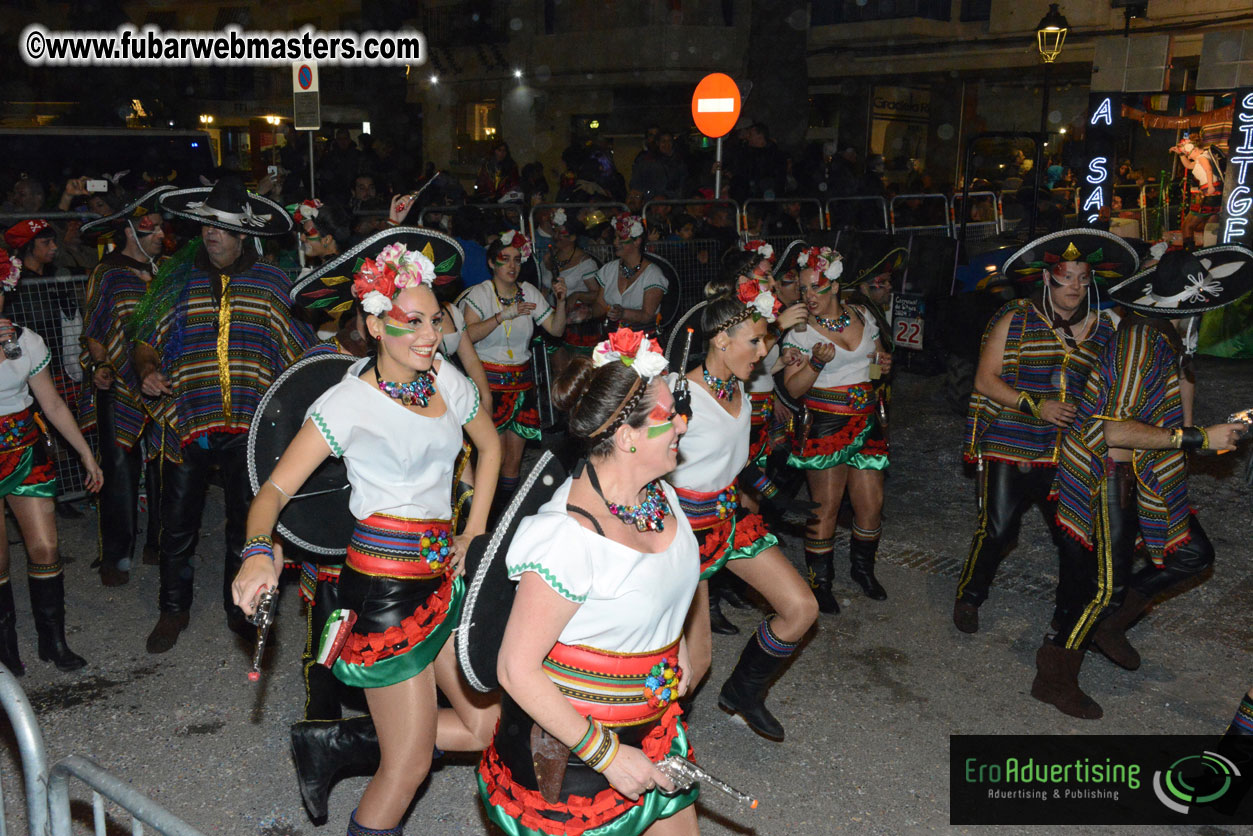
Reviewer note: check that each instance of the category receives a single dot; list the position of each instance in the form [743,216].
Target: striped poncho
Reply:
[1137,379]
[221,358]
[1037,362]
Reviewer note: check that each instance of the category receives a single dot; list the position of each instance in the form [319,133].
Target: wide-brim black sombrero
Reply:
[1111,257]
[317,518]
[137,208]
[489,591]
[328,287]
[1185,284]
[228,205]
[787,258]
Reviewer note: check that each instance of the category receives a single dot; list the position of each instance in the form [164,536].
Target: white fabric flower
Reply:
[603,354]
[506,238]
[764,304]
[648,362]
[559,217]
[834,270]
[1159,249]
[765,251]
[376,303]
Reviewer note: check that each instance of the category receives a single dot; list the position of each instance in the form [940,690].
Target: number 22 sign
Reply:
[907,322]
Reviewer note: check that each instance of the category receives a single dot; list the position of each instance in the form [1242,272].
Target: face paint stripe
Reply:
[660,429]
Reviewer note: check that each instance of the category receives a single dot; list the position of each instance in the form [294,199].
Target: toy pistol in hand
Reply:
[682,394]
[684,773]
[263,618]
[1244,416]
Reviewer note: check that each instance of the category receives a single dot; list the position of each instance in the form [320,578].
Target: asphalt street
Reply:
[869,704]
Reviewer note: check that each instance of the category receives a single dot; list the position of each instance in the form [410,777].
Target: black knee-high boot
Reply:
[47,600]
[8,630]
[325,750]
[820,562]
[862,547]
[744,692]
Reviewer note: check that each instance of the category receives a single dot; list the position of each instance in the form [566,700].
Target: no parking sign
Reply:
[306,100]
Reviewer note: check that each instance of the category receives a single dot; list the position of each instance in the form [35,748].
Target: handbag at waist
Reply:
[400,547]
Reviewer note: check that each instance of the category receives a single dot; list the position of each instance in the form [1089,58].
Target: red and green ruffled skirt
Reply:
[844,429]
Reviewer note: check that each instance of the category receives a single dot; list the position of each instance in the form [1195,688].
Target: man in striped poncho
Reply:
[212,334]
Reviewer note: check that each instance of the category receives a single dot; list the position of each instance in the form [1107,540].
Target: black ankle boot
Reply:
[8,632]
[718,622]
[861,554]
[47,600]
[744,692]
[821,567]
[325,750]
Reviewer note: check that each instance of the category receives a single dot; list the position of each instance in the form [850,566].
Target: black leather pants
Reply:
[1092,583]
[118,503]
[182,505]
[1008,492]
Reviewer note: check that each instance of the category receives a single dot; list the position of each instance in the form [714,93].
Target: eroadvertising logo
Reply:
[1091,779]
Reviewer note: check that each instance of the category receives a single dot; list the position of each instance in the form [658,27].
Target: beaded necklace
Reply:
[649,515]
[517,299]
[723,390]
[838,324]
[562,265]
[418,391]
[628,273]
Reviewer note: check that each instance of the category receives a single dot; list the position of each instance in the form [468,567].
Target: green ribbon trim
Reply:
[529,433]
[656,805]
[412,662]
[850,455]
[12,485]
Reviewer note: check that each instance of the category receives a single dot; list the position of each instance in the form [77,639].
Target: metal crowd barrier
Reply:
[606,205]
[47,790]
[860,207]
[506,210]
[695,201]
[41,302]
[945,228]
[977,228]
[780,202]
[7,219]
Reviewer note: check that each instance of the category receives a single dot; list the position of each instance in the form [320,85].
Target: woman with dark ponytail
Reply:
[715,450]
[845,445]
[606,572]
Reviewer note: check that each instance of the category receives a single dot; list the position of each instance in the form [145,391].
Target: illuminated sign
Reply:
[1096,187]
[1239,198]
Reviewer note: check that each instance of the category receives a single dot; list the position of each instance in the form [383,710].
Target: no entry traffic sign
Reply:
[716,105]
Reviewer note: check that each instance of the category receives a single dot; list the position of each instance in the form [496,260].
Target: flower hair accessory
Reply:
[627,226]
[761,304]
[306,210]
[514,238]
[376,281]
[559,217]
[631,348]
[828,263]
[10,271]
[761,248]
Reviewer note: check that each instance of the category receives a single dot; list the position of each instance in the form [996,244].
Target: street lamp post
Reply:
[1050,35]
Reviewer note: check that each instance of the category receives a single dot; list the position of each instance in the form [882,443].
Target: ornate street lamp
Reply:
[1050,35]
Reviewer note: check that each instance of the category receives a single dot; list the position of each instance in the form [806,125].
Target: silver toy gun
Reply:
[683,395]
[263,618]
[684,773]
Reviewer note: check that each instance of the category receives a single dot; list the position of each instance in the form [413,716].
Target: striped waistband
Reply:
[399,547]
[708,509]
[619,689]
[856,399]
[763,405]
[18,430]
[509,378]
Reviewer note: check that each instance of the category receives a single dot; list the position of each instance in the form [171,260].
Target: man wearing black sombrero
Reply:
[212,333]
[113,401]
[1035,359]
[1122,470]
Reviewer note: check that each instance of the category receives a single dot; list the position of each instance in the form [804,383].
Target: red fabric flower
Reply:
[625,341]
[747,292]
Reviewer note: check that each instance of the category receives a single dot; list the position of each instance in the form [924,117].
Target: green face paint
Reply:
[395,329]
[824,288]
[658,430]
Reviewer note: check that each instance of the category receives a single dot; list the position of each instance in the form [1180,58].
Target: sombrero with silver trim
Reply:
[1184,284]
[1111,257]
[228,205]
[317,518]
[136,209]
[328,287]
[787,258]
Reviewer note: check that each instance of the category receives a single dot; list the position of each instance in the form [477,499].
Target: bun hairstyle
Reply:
[599,400]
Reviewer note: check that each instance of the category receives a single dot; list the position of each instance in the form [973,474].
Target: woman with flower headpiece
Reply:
[501,316]
[631,286]
[397,420]
[715,450]
[567,261]
[844,446]
[605,571]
